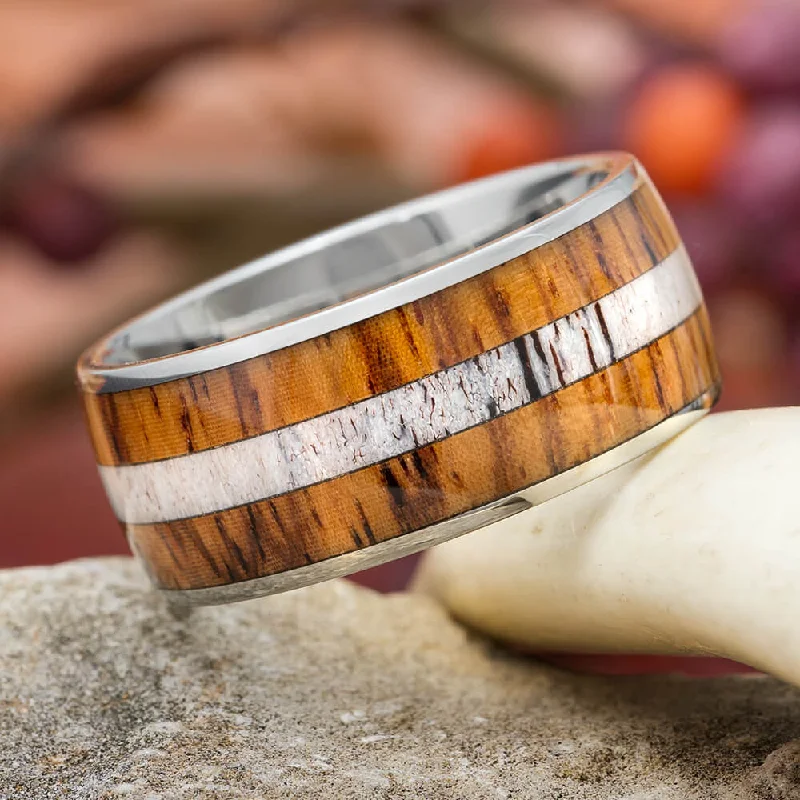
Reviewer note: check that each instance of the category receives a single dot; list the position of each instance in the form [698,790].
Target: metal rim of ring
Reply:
[619,174]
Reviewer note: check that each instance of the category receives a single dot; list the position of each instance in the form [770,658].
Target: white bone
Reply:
[694,548]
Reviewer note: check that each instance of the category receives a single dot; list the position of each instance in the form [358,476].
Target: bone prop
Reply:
[692,548]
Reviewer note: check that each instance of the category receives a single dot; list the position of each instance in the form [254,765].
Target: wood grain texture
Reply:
[439,481]
[416,414]
[381,353]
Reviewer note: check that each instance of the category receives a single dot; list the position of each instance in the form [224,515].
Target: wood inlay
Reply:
[379,354]
[447,402]
[440,480]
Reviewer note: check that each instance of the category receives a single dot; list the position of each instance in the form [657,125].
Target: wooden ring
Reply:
[400,380]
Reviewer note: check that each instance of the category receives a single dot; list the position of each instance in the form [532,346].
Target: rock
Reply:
[779,776]
[337,692]
[693,548]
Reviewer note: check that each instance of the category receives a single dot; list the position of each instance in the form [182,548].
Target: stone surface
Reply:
[336,692]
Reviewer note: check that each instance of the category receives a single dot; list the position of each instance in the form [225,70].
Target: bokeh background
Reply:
[148,144]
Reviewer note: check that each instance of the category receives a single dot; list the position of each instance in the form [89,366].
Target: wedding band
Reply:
[408,377]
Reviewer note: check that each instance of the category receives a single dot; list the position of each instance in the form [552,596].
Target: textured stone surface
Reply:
[335,692]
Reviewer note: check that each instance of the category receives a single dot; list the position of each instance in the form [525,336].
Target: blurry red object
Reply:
[712,242]
[509,138]
[695,666]
[393,576]
[761,181]
[66,222]
[682,124]
[762,47]
[784,265]
[54,507]
[751,337]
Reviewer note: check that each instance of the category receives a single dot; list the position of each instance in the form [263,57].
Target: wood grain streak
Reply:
[439,481]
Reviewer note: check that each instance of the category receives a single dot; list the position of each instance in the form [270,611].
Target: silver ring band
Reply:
[420,372]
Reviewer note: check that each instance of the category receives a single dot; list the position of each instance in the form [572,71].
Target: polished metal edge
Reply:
[374,555]
[231,351]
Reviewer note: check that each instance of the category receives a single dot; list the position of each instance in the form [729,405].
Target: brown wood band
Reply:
[441,480]
[376,355]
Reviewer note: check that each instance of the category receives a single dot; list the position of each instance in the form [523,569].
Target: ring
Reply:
[400,380]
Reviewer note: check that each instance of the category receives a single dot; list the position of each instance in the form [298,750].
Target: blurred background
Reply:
[148,144]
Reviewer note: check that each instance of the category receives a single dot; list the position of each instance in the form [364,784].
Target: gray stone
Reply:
[336,692]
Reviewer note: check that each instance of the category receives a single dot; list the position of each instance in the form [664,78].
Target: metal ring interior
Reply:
[361,269]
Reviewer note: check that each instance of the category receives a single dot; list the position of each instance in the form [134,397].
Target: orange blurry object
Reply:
[509,137]
[681,125]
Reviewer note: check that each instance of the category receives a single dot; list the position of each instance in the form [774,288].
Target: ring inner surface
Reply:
[351,261]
